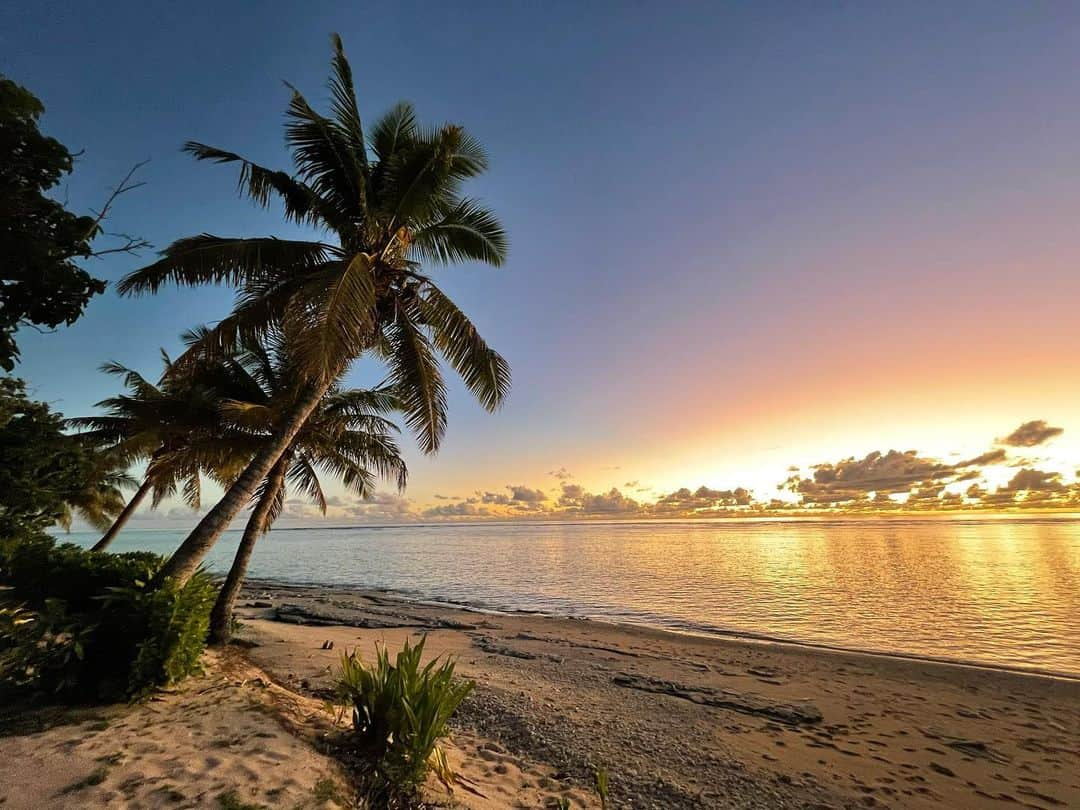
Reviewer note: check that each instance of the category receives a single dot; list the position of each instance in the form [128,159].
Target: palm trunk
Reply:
[186,559]
[123,517]
[257,525]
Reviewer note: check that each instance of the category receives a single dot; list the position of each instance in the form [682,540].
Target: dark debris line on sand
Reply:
[793,714]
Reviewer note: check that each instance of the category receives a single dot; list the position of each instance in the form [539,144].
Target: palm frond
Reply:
[394,130]
[483,370]
[462,231]
[338,319]
[343,95]
[302,204]
[303,476]
[362,402]
[414,374]
[208,259]
[324,157]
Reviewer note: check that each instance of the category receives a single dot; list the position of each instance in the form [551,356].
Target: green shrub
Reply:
[400,712]
[83,626]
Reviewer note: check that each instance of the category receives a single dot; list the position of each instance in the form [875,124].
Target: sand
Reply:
[228,730]
[677,721]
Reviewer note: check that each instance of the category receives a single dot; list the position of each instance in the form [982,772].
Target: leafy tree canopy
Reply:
[46,473]
[40,284]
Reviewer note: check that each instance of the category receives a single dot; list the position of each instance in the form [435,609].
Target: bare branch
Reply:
[131,244]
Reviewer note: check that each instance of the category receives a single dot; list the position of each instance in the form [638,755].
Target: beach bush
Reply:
[400,712]
[80,626]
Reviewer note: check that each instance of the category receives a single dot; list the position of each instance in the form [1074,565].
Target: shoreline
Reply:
[692,721]
[690,631]
[678,721]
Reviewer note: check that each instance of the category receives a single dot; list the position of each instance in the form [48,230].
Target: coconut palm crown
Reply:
[387,200]
[173,426]
[392,200]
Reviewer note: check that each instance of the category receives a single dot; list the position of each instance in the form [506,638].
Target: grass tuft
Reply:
[326,790]
[230,800]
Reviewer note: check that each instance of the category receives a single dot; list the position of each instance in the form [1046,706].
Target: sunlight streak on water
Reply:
[996,591]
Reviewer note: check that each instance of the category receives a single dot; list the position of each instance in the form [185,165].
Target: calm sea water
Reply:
[995,591]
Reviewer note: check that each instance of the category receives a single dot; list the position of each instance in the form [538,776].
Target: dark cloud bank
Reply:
[881,482]
[890,482]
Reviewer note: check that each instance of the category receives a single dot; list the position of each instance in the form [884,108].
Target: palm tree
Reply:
[173,426]
[389,200]
[99,498]
[345,436]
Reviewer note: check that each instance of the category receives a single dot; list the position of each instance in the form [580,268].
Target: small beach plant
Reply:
[600,777]
[400,712]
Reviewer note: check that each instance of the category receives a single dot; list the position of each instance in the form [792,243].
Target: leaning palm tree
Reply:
[345,436]
[173,426]
[389,200]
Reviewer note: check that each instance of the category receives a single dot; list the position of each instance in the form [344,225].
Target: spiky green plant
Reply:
[400,712]
[600,779]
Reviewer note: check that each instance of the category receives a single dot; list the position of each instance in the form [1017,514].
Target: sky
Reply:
[751,244]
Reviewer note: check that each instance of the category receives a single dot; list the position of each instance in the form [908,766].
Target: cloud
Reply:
[987,458]
[381,506]
[520,492]
[683,501]
[853,479]
[571,495]
[879,482]
[461,509]
[1028,480]
[608,503]
[1031,434]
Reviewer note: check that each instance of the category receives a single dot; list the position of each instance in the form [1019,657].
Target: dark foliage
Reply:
[40,284]
[46,473]
[79,626]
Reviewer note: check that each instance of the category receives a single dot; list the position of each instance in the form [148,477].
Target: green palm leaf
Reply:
[485,373]
[208,259]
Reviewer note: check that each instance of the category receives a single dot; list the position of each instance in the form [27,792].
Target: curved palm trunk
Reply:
[187,557]
[123,517]
[257,525]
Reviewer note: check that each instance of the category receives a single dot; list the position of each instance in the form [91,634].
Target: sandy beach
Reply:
[677,721]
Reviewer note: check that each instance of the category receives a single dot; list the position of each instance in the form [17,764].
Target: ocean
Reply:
[997,591]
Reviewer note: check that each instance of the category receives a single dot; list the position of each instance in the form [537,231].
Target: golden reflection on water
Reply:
[1003,592]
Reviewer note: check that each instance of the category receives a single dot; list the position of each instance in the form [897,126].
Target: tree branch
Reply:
[131,244]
